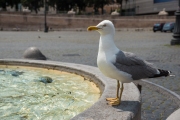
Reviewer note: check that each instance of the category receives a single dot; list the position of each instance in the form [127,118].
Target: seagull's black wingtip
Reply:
[162,73]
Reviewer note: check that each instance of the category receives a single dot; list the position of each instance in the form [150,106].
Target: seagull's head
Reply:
[105,27]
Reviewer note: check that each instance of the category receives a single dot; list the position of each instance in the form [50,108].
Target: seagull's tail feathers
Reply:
[164,73]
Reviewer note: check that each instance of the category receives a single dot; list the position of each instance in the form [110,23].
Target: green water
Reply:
[24,97]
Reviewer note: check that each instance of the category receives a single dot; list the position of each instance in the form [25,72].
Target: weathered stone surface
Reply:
[33,53]
[175,115]
[45,79]
[58,22]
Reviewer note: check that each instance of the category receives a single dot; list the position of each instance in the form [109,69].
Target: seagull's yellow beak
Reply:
[91,28]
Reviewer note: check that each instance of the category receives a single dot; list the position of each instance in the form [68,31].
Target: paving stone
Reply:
[148,116]
[168,102]
[143,117]
[159,101]
[156,115]
[157,107]
[169,110]
[154,107]
[144,103]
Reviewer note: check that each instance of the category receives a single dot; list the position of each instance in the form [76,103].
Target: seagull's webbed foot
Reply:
[111,99]
[117,100]
[114,102]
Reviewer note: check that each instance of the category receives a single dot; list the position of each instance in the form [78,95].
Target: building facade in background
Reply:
[129,7]
[145,7]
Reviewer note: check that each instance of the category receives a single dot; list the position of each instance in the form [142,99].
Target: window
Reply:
[159,1]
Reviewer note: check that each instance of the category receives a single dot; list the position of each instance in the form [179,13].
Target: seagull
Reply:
[122,66]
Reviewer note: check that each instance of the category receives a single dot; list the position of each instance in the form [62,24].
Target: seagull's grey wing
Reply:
[133,65]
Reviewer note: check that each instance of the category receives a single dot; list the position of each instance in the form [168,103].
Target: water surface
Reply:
[24,96]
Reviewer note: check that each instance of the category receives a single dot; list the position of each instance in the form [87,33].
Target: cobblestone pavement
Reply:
[82,47]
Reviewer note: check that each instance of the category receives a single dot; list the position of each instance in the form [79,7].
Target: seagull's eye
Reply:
[104,25]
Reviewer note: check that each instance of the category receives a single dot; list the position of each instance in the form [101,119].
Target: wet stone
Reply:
[14,73]
[46,79]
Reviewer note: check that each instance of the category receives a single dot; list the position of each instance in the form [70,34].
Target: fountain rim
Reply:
[131,100]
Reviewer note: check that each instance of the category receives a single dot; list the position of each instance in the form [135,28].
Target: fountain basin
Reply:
[130,107]
[39,93]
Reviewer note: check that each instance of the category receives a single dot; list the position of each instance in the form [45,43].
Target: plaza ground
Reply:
[81,47]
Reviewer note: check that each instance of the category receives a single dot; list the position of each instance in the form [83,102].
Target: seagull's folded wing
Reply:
[136,67]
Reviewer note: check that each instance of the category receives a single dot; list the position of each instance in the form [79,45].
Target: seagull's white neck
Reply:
[107,45]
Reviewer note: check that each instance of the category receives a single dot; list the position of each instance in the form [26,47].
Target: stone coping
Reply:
[175,115]
[130,107]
